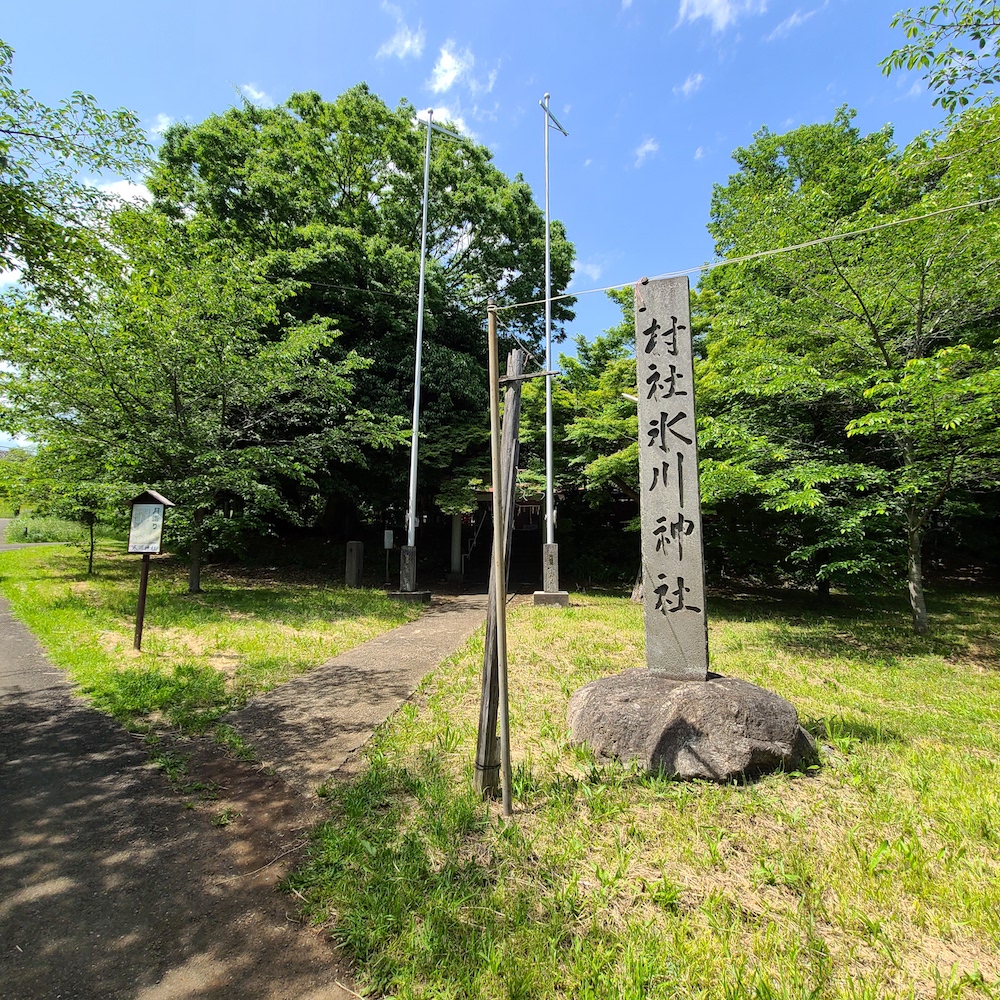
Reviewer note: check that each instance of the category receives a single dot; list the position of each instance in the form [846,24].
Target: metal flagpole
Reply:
[550,571]
[408,562]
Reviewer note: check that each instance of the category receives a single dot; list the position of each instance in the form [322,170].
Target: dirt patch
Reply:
[270,822]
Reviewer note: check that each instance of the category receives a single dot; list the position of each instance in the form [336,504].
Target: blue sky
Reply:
[655,94]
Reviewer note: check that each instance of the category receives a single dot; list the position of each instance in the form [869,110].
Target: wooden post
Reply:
[499,571]
[140,613]
[487,773]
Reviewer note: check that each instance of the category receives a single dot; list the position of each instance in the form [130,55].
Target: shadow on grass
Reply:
[245,622]
[844,732]
[264,595]
[872,628]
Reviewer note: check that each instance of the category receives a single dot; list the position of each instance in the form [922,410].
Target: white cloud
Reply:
[10,277]
[256,96]
[721,12]
[699,152]
[587,162]
[477,87]
[647,148]
[136,194]
[161,123]
[690,85]
[17,440]
[796,20]
[406,42]
[916,90]
[591,271]
[626,4]
[451,67]
[443,114]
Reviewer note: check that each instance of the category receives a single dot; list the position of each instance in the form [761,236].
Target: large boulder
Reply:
[720,729]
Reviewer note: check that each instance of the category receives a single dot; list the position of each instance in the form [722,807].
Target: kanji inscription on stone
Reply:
[673,567]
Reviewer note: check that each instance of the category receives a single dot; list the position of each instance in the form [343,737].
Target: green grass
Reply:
[202,655]
[29,528]
[876,877]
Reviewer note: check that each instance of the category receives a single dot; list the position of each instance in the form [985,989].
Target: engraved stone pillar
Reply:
[550,594]
[355,564]
[408,569]
[670,507]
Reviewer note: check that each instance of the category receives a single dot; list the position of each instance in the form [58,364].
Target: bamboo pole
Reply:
[487,773]
[499,573]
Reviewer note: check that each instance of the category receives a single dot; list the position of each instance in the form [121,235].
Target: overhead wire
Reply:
[712,265]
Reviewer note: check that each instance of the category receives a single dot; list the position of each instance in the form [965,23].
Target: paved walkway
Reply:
[310,727]
[110,887]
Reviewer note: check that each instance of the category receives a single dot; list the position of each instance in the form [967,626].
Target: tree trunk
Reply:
[90,556]
[638,592]
[915,576]
[194,567]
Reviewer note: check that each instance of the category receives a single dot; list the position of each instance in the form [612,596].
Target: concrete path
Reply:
[111,885]
[308,728]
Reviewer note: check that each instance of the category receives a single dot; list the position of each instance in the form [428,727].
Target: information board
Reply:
[146,530]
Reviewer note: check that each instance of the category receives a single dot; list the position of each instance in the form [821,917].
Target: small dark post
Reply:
[144,537]
[354,572]
[140,611]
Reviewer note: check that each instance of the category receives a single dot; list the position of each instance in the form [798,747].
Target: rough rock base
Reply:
[720,729]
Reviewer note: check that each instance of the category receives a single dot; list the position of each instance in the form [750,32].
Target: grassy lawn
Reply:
[202,655]
[876,876]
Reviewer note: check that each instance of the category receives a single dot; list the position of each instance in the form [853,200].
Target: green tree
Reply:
[851,385]
[328,194]
[50,219]
[598,447]
[186,373]
[958,43]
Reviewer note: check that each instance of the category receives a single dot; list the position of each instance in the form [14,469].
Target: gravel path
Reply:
[115,884]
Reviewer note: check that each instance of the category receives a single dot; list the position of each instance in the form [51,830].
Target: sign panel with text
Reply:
[146,530]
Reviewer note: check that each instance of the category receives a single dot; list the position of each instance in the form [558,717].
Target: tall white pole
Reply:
[550,592]
[411,514]
[549,493]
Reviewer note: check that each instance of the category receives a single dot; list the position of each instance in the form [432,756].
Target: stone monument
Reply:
[673,569]
[676,716]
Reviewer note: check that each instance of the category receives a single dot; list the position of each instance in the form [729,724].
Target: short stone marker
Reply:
[354,570]
[675,717]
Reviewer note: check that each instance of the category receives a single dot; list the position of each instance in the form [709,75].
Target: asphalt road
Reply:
[110,886]
[115,884]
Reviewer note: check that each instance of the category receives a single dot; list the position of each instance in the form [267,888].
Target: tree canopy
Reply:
[247,340]
[957,42]
[852,383]
[184,371]
[50,218]
[328,194]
